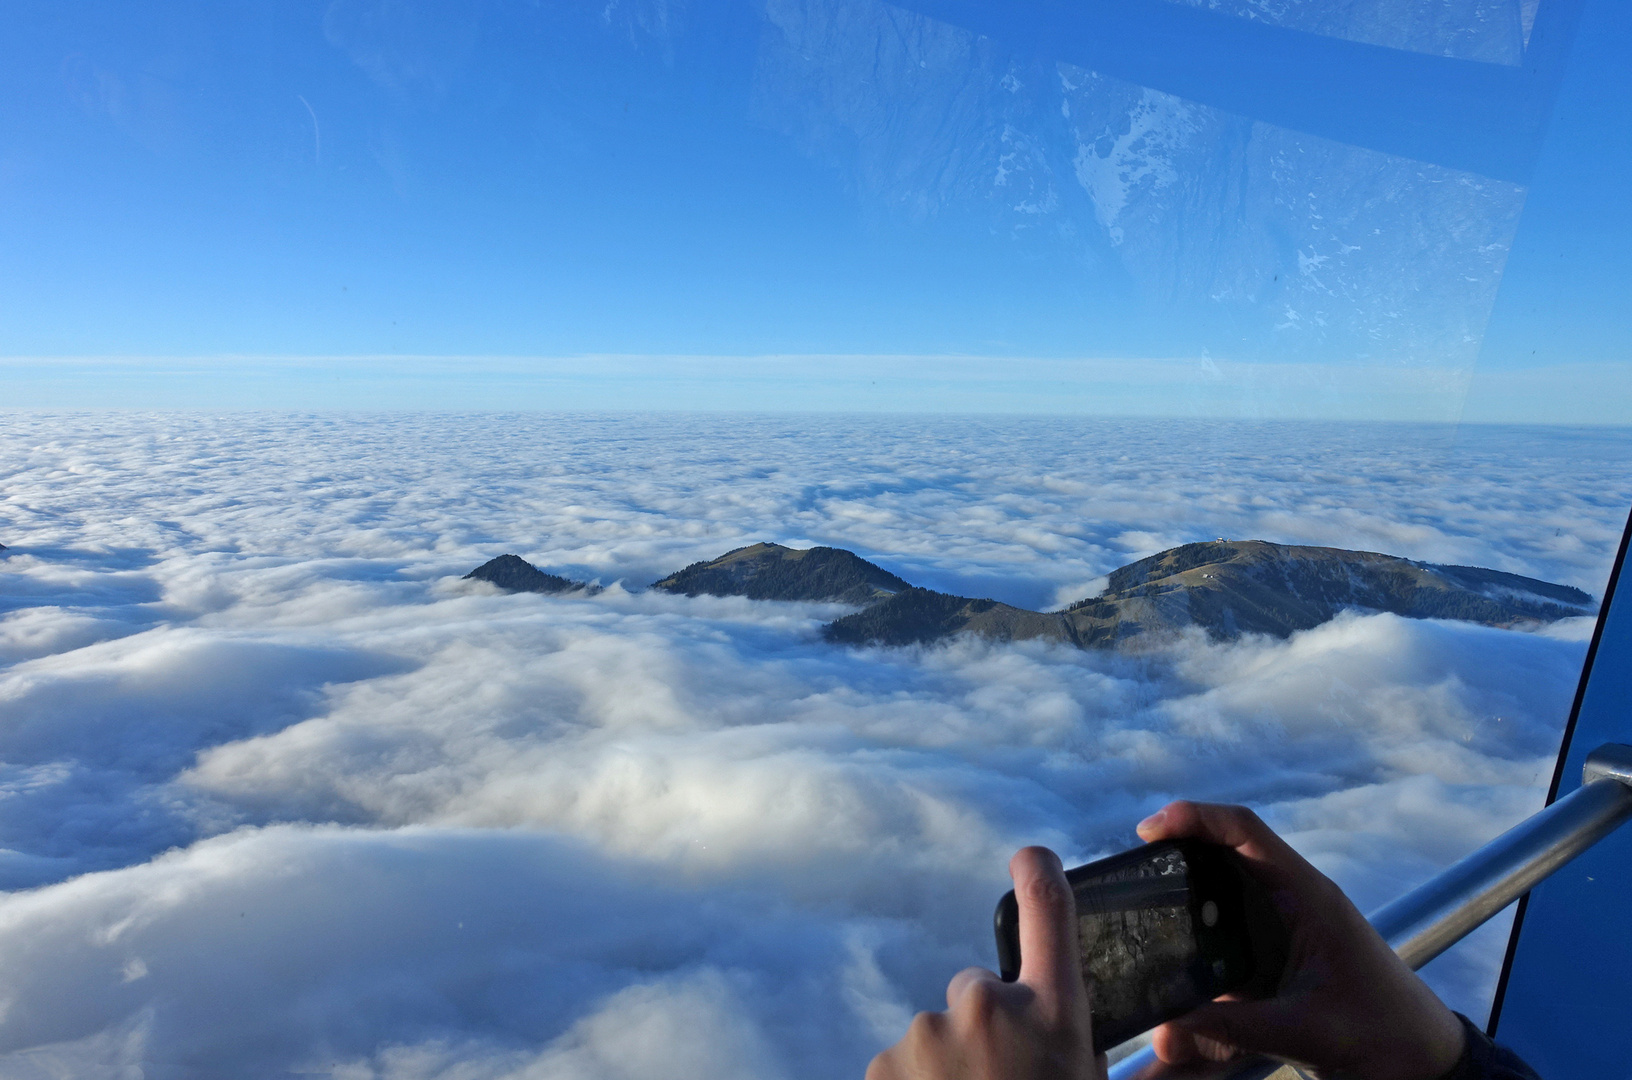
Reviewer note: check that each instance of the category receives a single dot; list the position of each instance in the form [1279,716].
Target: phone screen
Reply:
[1161,928]
[1138,938]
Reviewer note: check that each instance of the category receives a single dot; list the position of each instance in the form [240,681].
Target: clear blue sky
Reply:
[194,182]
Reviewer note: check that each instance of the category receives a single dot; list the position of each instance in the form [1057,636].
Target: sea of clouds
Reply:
[280,795]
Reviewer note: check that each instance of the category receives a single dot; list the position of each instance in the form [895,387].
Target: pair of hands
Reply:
[1346,1006]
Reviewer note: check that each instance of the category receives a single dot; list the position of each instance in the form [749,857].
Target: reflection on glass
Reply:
[311,312]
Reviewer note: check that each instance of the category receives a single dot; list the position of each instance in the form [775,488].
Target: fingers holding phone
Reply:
[1217,927]
[1037,1026]
[1048,933]
[1343,1003]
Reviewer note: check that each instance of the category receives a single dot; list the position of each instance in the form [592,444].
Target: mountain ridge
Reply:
[1227,588]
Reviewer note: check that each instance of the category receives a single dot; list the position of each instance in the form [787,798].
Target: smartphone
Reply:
[1162,929]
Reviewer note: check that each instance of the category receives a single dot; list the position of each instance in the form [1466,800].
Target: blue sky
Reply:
[318,186]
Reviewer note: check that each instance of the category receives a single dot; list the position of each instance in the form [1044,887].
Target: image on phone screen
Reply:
[1161,929]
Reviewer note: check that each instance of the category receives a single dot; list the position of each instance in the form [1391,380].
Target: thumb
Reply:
[1280,1028]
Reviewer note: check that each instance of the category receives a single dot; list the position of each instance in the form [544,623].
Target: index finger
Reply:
[1233,826]
[1048,933]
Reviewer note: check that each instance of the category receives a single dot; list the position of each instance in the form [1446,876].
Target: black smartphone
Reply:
[1162,929]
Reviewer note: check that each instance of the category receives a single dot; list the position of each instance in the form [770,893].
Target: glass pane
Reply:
[312,310]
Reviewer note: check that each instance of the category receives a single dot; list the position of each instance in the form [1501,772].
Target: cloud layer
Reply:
[281,794]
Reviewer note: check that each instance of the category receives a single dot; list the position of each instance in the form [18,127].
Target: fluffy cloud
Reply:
[425,953]
[345,814]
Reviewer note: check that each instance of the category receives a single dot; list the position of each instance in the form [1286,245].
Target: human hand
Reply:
[1034,1028]
[1346,1006]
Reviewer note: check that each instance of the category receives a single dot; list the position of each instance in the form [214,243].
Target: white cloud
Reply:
[451,951]
[422,829]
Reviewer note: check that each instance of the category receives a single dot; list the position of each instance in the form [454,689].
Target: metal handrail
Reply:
[1437,914]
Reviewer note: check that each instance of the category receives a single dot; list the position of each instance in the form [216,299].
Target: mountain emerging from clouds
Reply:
[774,572]
[1228,588]
[515,574]
[1225,587]
[1250,586]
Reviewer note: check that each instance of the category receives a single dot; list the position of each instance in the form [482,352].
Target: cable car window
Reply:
[575,538]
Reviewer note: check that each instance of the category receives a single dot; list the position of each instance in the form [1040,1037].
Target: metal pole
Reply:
[1436,915]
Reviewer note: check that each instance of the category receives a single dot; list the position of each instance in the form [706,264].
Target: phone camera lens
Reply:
[1209,914]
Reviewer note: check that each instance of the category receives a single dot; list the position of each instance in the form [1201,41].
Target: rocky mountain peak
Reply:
[512,573]
[773,572]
